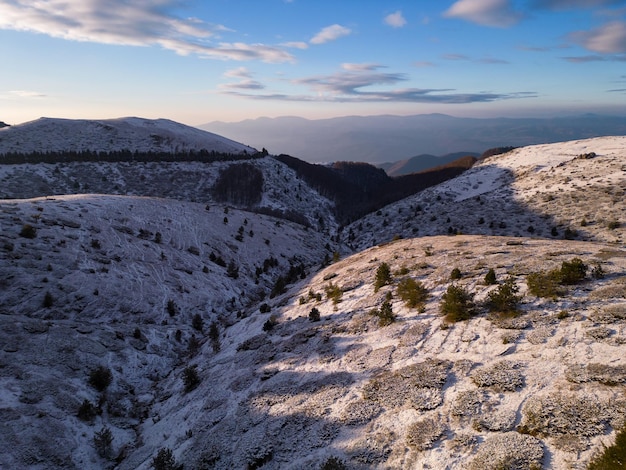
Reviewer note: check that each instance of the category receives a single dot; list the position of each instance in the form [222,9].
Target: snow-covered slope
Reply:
[417,393]
[133,284]
[281,191]
[542,191]
[106,135]
[116,281]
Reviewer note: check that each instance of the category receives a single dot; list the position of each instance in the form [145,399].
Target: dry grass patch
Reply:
[510,451]
[594,372]
[422,434]
[564,413]
[418,385]
[503,376]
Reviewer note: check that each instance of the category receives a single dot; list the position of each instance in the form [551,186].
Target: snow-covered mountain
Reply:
[108,135]
[138,323]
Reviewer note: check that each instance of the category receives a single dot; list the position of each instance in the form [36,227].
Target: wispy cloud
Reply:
[295,45]
[395,20]
[455,57]
[609,38]
[361,67]
[354,87]
[139,23]
[330,33]
[245,83]
[423,63]
[496,13]
[595,58]
[26,94]
[484,60]
[572,4]
[617,90]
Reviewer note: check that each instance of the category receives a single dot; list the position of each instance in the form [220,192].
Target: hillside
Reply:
[116,282]
[416,393]
[573,190]
[172,315]
[422,162]
[111,135]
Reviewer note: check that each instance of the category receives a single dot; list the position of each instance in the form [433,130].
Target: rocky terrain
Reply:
[136,328]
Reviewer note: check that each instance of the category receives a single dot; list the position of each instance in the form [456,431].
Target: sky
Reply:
[197,61]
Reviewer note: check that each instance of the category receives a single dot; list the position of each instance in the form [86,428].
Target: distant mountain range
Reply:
[378,139]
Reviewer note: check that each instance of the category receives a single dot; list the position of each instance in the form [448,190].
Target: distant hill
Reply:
[3,124]
[377,139]
[421,163]
[112,135]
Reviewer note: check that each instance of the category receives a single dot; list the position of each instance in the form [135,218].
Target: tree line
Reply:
[68,156]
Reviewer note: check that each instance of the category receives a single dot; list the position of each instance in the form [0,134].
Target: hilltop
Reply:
[112,135]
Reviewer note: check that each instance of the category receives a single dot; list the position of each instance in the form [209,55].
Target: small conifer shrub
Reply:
[164,460]
[612,457]
[102,441]
[457,304]
[314,315]
[100,378]
[190,378]
[573,271]
[172,308]
[48,300]
[87,411]
[490,277]
[544,284]
[384,313]
[28,231]
[412,292]
[383,276]
[504,299]
[455,274]
[197,322]
[333,463]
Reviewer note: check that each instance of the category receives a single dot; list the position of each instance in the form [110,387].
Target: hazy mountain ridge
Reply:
[282,391]
[378,139]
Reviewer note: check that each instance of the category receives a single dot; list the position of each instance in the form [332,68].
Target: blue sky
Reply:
[196,61]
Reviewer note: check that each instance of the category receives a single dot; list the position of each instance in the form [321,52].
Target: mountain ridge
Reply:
[377,139]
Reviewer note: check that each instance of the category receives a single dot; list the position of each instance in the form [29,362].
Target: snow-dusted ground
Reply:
[185,181]
[411,395]
[110,278]
[305,391]
[106,135]
[526,192]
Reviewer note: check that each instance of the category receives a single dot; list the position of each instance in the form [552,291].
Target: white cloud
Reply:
[395,20]
[245,83]
[361,67]
[296,45]
[137,23]
[330,33]
[608,39]
[26,94]
[239,72]
[497,13]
